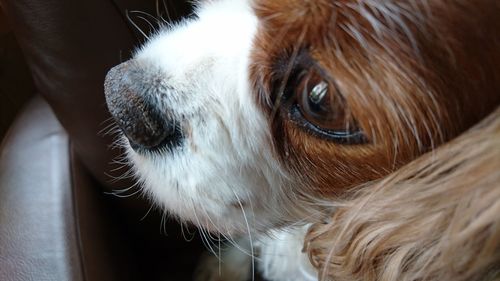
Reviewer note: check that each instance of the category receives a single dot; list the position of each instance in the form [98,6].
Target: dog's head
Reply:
[247,114]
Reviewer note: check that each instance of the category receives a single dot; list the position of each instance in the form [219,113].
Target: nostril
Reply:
[138,119]
[136,112]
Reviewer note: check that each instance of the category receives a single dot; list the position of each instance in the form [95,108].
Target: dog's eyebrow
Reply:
[302,59]
[287,66]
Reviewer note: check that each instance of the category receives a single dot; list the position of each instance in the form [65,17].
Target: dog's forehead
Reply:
[346,24]
[292,21]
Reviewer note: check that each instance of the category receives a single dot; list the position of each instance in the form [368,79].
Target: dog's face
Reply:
[248,114]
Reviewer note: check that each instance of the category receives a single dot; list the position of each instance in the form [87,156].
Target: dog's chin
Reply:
[231,221]
[232,225]
[180,184]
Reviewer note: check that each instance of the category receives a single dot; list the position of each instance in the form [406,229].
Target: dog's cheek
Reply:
[321,167]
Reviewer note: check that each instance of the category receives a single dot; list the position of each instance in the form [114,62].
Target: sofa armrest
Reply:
[38,237]
[56,223]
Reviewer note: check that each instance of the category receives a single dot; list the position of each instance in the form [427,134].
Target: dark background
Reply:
[145,244]
[16,86]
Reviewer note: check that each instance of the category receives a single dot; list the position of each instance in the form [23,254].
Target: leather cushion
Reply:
[69,47]
[38,236]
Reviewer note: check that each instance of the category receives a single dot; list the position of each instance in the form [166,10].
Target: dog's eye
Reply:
[321,109]
[318,104]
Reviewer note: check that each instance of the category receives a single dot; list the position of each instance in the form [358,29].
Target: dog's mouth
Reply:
[136,112]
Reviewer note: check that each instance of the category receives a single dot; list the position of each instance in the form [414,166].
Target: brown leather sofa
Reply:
[58,218]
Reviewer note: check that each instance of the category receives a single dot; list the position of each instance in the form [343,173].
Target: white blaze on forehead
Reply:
[225,175]
[223,30]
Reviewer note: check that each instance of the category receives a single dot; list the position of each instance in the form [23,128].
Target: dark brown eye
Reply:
[320,104]
[321,108]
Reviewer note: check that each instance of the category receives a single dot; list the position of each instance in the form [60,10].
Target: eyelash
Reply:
[290,108]
[297,118]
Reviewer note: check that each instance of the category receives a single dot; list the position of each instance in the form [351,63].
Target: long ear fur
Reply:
[437,218]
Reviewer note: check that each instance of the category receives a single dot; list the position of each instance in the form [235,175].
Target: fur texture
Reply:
[435,219]
[410,202]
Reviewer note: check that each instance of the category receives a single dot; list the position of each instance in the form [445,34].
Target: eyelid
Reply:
[340,137]
[305,65]
[317,80]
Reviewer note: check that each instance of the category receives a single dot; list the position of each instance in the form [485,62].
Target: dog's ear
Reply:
[435,219]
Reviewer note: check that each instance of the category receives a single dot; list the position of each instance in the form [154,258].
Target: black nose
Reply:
[131,100]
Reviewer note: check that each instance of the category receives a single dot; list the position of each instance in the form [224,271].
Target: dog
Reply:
[333,135]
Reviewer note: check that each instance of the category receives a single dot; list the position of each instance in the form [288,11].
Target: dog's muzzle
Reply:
[131,102]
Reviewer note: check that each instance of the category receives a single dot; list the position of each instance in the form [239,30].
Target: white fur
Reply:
[281,256]
[224,177]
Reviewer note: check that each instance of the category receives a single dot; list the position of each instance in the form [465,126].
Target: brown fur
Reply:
[412,81]
[437,218]
[414,74]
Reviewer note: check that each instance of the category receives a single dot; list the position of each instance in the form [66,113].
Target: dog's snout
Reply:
[136,110]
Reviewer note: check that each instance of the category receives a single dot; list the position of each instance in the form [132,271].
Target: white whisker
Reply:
[127,14]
